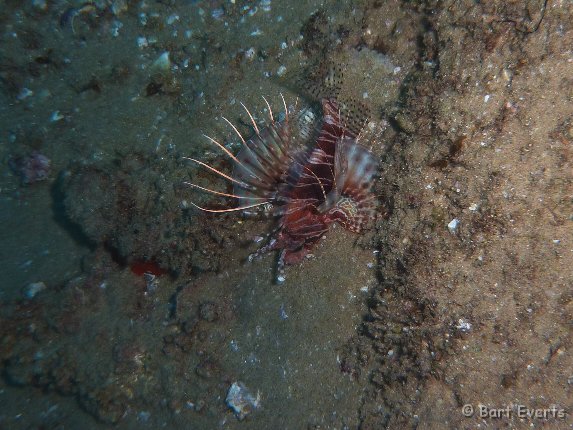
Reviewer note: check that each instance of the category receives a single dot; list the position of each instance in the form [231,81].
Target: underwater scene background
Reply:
[124,305]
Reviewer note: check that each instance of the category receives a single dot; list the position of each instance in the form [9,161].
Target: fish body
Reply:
[313,171]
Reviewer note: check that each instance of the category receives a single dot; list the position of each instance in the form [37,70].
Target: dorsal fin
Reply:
[324,79]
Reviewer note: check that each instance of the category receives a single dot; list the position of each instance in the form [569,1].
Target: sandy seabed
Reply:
[454,311]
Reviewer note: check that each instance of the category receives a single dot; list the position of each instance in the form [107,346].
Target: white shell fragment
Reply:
[463,325]
[241,401]
[34,288]
[56,116]
[250,54]
[118,7]
[453,225]
[161,64]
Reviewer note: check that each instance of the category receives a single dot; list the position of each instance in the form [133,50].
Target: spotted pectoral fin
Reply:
[354,170]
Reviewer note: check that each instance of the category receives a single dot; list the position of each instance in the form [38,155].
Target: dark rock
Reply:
[208,311]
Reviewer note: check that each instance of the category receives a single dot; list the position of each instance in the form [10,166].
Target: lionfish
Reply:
[310,171]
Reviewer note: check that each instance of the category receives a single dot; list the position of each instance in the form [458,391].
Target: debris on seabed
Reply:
[56,116]
[282,312]
[162,64]
[453,225]
[241,401]
[250,54]
[152,283]
[463,325]
[24,94]
[32,168]
[34,288]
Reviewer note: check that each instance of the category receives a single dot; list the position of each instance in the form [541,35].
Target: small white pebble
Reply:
[266,5]
[453,225]
[56,116]
[115,28]
[162,63]
[172,18]
[486,98]
[25,93]
[281,71]
[40,4]
[463,325]
[34,288]
[473,207]
[250,54]
[142,42]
